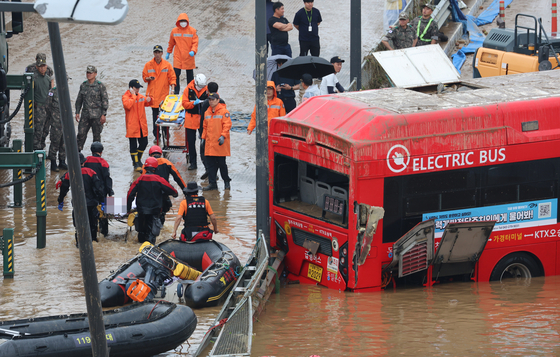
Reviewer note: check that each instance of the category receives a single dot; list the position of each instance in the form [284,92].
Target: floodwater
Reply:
[454,319]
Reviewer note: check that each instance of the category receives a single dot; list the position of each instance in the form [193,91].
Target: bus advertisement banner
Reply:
[508,216]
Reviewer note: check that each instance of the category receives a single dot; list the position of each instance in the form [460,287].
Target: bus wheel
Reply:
[519,266]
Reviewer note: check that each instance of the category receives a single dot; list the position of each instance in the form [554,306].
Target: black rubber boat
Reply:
[141,329]
[218,264]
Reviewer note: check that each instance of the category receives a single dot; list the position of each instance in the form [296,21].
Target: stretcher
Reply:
[171,115]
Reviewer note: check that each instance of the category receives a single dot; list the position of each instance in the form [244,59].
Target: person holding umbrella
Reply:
[285,87]
[311,90]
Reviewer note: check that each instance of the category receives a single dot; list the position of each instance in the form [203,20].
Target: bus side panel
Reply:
[544,253]
[370,191]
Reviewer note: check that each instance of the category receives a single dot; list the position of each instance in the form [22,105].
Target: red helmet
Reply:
[151,163]
[155,149]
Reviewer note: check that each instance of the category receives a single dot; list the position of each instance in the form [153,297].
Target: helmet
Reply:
[151,163]
[82,158]
[200,80]
[155,150]
[96,146]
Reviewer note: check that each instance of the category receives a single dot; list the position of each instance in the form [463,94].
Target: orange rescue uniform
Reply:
[183,40]
[216,123]
[192,121]
[135,113]
[165,77]
[275,108]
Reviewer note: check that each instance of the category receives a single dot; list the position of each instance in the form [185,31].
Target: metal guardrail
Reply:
[234,323]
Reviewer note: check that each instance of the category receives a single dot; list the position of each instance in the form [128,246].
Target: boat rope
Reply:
[33,173]
[221,323]
[219,265]
[153,308]
[22,96]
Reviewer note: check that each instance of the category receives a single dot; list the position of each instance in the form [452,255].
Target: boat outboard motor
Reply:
[159,267]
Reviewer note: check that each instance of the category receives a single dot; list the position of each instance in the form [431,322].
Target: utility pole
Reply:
[356,42]
[262,119]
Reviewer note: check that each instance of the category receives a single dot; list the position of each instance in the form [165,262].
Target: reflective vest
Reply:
[421,37]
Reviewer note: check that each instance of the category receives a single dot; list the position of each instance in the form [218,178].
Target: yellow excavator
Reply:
[521,50]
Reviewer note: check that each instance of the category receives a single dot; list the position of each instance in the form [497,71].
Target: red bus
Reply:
[483,150]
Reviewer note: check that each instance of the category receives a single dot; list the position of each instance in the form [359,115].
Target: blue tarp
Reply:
[470,25]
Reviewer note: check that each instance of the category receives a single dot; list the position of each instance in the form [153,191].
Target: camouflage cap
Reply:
[91,69]
[429,6]
[403,16]
[40,59]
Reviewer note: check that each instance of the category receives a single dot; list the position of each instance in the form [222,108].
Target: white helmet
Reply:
[200,80]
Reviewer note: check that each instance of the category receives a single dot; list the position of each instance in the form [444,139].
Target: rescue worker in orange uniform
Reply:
[217,124]
[195,211]
[184,41]
[274,104]
[164,169]
[160,76]
[134,105]
[193,97]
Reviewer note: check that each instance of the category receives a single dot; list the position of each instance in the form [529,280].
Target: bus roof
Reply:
[396,114]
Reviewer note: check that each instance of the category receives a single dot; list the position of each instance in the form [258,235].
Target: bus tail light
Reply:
[281,238]
[343,261]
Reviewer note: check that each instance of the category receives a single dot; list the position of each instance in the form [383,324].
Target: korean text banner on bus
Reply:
[508,216]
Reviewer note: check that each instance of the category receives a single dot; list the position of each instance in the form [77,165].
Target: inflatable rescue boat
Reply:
[142,329]
[213,270]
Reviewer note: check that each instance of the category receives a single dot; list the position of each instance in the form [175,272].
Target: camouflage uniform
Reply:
[57,139]
[402,38]
[425,38]
[33,66]
[42,86]
[93,101]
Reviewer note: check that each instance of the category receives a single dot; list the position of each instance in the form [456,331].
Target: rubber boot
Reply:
[54,167]
[134,157]
[227,186]
[63,166]
[140,153]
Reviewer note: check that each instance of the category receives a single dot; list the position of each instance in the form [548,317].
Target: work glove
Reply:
[103,206]
[132,91]
[167,56]
[57,186]
[196,101]
[191,53]
[221,140]
[60,206]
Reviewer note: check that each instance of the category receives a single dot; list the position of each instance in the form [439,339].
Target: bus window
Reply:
[303,187]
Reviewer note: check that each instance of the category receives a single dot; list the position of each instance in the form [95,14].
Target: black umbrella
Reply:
[317,67]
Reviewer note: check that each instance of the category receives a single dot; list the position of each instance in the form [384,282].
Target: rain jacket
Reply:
[135,115]
[183,40]
[149,190]
[192,112]
[166,168]
[216,124]
[275,108]
[101,168]
[159,87]
[93,188]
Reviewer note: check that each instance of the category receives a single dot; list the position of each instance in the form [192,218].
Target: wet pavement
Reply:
[301,320]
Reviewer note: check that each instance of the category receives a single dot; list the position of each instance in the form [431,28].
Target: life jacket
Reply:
[196,220]
[196,215]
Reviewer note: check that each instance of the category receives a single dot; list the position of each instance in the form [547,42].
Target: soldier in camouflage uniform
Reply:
[57,139]
[402,36]
[93,102]
[42,83]
[32,68]
[425,26]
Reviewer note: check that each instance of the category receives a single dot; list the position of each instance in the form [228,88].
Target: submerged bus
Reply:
[484,150]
